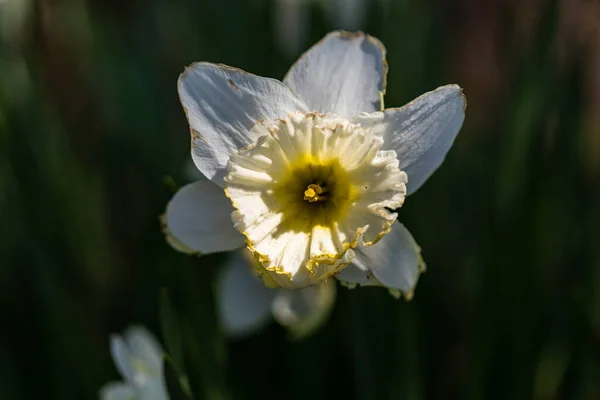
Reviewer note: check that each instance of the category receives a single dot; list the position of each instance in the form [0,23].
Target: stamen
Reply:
[314,193]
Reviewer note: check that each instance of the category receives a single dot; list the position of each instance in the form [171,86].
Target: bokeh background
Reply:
[93,143]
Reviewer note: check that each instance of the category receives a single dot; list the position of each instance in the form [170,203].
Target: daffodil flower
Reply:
[139,359]
[311,166]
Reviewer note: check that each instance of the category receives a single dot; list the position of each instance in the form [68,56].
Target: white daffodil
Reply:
[139,359]
[311,166]
[245,304]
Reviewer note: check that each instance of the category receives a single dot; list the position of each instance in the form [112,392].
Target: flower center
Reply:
[312,193]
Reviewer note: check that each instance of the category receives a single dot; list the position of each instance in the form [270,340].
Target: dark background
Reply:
[93,143]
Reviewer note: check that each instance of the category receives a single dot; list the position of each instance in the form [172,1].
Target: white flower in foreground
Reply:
[139,359]
[311,166]
[245,304]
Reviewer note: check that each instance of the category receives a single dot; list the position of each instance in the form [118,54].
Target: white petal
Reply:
[243,301]
[121,356]
[421,132]
[394,262]
[222,104]
[344,73]
[144,346]
[303,311]
[117,391]
[138,357]
[353,275]
[151,389]
[198,218]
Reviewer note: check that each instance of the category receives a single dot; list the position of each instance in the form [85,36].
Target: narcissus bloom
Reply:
[311,166]
[139,359]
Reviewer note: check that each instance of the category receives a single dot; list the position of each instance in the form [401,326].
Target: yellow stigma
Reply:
[312,193]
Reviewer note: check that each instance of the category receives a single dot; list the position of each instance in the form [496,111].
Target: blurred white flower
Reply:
[345,14]
[245,304]
[13,18]
[139,359]
[291,19]
[311,166]
[291,24]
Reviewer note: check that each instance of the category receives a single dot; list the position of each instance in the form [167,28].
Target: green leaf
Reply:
[172,333]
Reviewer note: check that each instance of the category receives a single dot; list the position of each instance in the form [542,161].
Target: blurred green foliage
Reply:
[90,126]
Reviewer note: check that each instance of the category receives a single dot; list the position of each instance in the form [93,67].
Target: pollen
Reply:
[314,193]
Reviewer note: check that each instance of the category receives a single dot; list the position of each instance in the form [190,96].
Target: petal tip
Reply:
[198,66]
[459,91]
[175,243]
[421,269]
[361,36]
[464,98]
[187,70]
